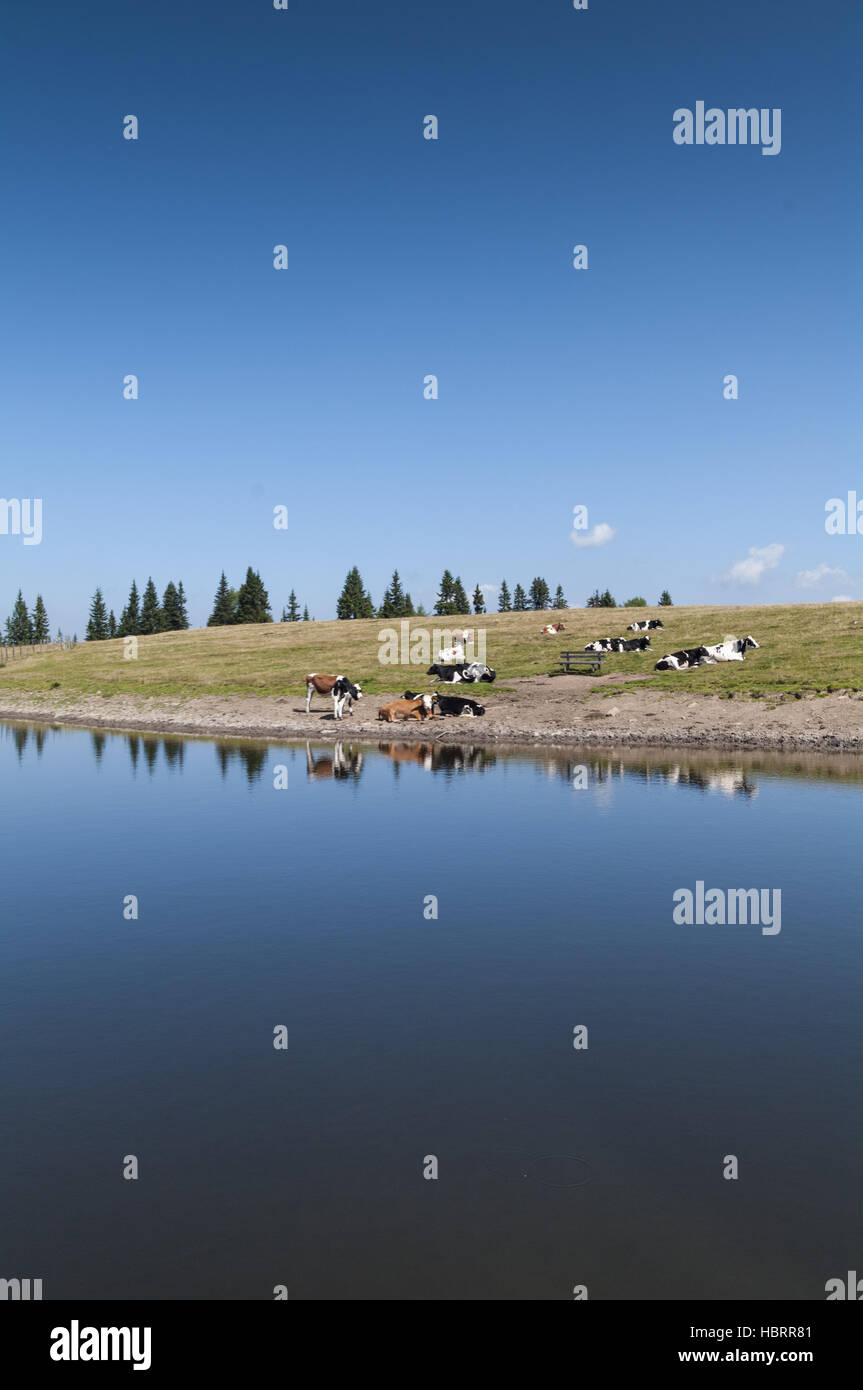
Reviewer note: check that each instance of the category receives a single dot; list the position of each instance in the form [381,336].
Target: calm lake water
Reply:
[411,1036]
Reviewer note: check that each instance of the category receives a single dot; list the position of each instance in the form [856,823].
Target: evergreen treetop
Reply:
[152,617]
[224,606]
[97,623]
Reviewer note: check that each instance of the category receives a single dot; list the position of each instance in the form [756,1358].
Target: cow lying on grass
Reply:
[417,707]
[683,660]
[461,671]
[551,628]
[732,649]
[647,626]
[342,690]
[618,644]
[452,704]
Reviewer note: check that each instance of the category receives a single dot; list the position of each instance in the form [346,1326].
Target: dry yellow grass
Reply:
[804,648]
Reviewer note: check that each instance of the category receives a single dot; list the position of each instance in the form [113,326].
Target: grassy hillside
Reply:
[804,648]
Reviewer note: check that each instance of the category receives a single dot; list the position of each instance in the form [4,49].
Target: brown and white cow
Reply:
[551,628]
[341,689]
[418,708]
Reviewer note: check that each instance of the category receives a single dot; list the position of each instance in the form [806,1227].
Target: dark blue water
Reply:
[412,1036]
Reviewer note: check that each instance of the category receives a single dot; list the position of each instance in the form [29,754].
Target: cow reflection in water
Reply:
[601,773]
[338,764]
[730,781]
[437,757]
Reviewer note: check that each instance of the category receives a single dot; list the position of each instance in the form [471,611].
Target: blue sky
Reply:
[407,257]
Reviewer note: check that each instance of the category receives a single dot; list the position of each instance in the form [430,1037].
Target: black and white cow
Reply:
[683,660]
[618,644]
[732,649]
[476,671]
[449,673]
[647,626]
[455,704]
[461,671]
[344,692]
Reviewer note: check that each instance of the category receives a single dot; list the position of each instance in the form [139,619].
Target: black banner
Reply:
[163,1339]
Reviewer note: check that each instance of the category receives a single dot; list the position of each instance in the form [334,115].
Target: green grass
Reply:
[805,649]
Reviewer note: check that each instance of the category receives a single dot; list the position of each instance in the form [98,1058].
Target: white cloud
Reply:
[843,598]
[601,534]
[758,561]
[807,579]
[489,588]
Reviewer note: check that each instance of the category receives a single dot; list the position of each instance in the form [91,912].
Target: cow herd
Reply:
[414,706]
[344,692]
[411,706]
[731,649]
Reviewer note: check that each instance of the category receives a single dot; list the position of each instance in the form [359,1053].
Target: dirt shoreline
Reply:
[543,710]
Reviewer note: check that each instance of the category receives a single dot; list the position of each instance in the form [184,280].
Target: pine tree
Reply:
[112,624]
[559,600]
[152,617]
[420,613]
[478,600]
[539,595]
[519,600]
[253,604]
[598,600]
[172,609]
[444,604]
[41,628]
[291,614]
[224,606]
[665,599]
[353,601]
[504,602]
[305,615]
[130,618]
[459,597]
[393,604]
[408,610]
[182,609]
[97,624]
[19,630]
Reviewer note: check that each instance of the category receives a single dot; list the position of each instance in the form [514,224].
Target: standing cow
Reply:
[343,691]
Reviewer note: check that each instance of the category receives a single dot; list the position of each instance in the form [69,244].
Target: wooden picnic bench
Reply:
[582,661]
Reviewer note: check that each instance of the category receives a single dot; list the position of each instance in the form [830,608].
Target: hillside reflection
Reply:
[710,771]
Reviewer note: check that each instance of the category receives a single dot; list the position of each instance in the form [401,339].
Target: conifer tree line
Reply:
[23,628]
[143,615]
[607,600]
[536,599]
[248,604]
[452,601]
